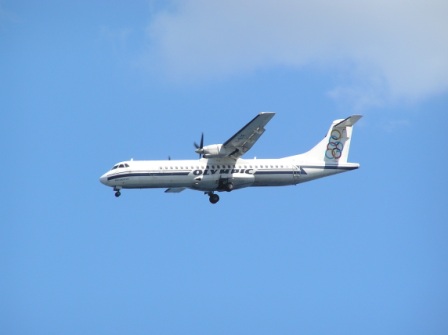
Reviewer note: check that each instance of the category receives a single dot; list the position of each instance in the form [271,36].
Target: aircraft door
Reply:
[296,173]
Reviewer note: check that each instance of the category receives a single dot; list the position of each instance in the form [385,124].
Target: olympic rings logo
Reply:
[334,146]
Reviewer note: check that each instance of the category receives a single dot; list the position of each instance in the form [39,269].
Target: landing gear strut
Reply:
[213,198]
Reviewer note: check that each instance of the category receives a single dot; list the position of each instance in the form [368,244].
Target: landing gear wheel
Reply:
[117,194]
[229,187]
[214,198]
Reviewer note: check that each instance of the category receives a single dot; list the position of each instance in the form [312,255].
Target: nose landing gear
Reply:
[117,191]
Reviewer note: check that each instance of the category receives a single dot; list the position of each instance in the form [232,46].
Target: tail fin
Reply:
[334,148]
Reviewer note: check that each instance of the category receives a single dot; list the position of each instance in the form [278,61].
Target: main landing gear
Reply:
[213,198]
[223,185]
[229,187]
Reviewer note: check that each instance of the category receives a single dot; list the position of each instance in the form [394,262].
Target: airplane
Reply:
[220,167]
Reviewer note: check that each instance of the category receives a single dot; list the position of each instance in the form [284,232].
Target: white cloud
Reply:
[395,48]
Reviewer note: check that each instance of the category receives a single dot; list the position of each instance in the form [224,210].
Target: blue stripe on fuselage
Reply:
[256,172]
[147,174]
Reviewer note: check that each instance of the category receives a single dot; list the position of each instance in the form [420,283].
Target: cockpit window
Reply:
[120,166]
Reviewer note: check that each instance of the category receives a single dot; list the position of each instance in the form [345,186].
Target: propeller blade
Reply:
[199,146]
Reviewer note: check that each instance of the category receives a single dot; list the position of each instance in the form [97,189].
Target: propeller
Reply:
[199,147]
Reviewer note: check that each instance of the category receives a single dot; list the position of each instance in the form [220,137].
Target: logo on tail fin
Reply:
[334,146]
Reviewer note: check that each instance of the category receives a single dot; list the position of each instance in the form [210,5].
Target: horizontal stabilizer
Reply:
[348,122]
[175,190]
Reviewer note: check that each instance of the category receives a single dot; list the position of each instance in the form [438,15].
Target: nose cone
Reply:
[103,179]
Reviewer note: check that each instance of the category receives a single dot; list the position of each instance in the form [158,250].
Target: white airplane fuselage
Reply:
[207,174]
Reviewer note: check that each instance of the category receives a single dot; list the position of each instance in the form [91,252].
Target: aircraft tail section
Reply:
[335,146]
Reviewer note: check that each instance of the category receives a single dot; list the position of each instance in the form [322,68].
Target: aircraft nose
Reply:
[103,179]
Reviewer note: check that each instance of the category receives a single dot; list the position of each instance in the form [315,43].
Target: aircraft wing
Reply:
[244,139]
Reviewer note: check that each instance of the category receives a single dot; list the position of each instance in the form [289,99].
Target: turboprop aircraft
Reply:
[220,167]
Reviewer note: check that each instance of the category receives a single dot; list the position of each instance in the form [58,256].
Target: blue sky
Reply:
[86,84]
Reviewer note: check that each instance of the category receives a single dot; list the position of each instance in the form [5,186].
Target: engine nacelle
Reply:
[213,151]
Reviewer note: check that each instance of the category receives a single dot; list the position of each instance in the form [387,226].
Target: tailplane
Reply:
[335,146]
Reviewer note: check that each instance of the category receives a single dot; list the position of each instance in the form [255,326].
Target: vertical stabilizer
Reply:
[334,148]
